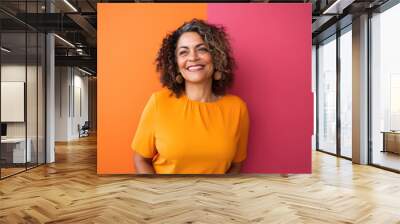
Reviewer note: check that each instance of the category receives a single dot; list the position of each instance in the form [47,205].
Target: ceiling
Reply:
[76,22]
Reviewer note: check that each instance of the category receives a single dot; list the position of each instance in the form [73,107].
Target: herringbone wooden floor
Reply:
[70,191]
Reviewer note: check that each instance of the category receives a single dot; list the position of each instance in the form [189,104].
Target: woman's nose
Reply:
[193,56]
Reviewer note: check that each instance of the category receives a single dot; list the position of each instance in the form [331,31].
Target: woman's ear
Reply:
[217,75]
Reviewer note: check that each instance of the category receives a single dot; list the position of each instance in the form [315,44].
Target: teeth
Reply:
[195,68]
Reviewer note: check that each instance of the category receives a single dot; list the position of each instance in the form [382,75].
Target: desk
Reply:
[15,148]
[391,141]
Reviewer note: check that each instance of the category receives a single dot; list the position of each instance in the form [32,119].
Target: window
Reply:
[385,88]
[327,95]
[346,93]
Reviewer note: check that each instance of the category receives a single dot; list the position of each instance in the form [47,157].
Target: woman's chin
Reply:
[196,78]
[196,81]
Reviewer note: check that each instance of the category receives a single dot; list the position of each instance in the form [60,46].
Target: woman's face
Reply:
[194,58]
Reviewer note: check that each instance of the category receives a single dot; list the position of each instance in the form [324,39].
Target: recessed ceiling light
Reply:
[70,5]
[84,71]
[338,6]
[64,40]
[5,50]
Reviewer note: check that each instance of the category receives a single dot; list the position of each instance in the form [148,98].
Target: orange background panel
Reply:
[128,41]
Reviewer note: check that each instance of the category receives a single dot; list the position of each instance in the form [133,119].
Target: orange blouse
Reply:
[190,137]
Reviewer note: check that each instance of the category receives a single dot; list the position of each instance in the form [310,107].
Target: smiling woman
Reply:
[192,126]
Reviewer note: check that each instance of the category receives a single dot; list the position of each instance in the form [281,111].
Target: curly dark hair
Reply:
[216,39]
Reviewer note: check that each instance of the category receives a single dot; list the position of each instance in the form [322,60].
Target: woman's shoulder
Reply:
[234,102]
[163,94]
[234,99]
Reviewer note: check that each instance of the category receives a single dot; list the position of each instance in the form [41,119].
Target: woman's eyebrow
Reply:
[198,45]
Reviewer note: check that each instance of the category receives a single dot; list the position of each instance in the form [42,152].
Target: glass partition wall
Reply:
[22,88]
[334,93]
[13,91]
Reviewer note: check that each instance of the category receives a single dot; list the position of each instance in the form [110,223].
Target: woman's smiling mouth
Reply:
[193,68]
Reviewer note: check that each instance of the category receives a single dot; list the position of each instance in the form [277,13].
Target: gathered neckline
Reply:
[205,103]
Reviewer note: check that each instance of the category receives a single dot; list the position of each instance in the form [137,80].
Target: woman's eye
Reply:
[182,53]
[203,49]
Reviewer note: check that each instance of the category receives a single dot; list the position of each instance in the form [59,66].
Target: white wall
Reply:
[12,73]
[62,78]
[71,94]
[81,102]
[16,72]
[34,125]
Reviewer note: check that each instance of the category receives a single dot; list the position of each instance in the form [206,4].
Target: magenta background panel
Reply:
[272,47]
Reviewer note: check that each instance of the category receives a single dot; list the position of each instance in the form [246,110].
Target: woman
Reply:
[192,126]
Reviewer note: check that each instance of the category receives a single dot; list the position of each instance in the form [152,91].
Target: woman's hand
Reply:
[235,168]
[143,165]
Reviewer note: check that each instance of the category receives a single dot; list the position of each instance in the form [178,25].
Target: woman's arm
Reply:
[143,165]
[235,168]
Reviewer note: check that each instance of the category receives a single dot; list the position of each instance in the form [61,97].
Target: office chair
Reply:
[84,130]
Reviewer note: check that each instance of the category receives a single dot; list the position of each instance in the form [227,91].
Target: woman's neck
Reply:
[200,92]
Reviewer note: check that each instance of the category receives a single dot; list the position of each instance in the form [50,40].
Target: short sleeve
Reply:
[144,139]
[244,125]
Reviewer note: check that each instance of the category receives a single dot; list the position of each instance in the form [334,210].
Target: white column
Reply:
[50,100]
[50,92]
